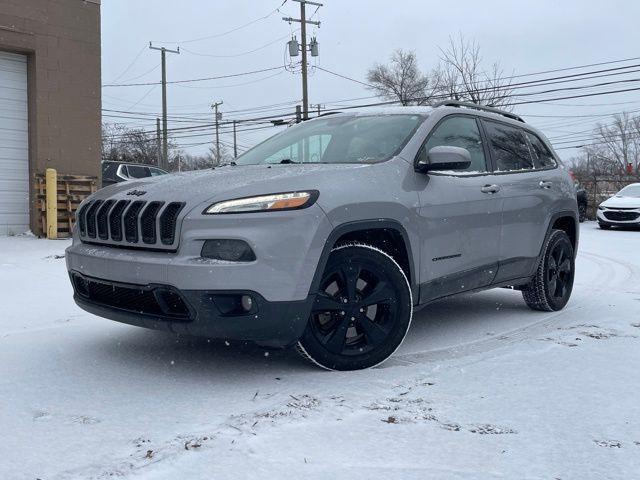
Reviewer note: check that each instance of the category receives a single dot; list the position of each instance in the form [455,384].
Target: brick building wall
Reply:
[61,39]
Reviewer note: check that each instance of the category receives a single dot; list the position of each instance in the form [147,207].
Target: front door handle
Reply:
[546,185]
[490,189]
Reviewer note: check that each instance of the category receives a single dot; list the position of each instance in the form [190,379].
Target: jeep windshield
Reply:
[337,139]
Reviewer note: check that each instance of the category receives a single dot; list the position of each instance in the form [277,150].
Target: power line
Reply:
[153,69]
[520,85]
[130,65]
[240,54]
[537,82]
[192,80]
[235,84]
[218,35]
[344,76]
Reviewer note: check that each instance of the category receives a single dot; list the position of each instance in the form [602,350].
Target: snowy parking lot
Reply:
[483,387]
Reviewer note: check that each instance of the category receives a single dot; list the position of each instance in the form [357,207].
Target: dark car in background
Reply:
[116,172]
[581,196]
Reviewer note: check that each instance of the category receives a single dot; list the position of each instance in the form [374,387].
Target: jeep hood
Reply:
[228,182]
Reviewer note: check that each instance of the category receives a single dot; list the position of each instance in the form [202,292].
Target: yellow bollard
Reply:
[52,203]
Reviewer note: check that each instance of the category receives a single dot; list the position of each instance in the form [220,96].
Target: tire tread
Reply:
[300,348]
[534,293]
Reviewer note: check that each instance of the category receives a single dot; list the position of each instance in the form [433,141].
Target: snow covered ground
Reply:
[482,388]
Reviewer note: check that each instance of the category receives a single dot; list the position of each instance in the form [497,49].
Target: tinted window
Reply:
[337,139]
[136,171]
[156,171]
[461,132]
[541,153]
[508,147]
[109,170]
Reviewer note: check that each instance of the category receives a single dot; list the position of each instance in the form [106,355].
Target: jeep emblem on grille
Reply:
[137,193]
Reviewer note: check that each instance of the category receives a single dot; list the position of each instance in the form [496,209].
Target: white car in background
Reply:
[621,210]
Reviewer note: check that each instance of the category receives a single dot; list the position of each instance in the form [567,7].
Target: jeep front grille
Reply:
[133,224]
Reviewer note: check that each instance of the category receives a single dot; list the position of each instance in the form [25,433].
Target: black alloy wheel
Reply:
[560,270]
[551,287]
[361,312]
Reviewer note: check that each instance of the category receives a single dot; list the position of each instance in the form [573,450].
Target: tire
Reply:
[582,212]
[362,310]
[550,288]
[604,226]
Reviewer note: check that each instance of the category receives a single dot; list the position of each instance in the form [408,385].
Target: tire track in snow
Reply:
[611,273]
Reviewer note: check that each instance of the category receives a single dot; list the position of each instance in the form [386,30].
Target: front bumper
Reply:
[621,218]
[287,244]
[193,312]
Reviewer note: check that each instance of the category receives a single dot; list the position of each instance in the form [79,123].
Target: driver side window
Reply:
[459,131]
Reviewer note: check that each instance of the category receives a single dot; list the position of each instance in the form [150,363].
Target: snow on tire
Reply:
[550,288]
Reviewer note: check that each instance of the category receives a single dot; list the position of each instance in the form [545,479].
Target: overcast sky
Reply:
[524,36]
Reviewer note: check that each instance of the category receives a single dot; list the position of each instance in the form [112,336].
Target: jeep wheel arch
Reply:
[387,234]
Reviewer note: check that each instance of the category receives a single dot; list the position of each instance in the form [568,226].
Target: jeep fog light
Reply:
[228,250]
[247,303]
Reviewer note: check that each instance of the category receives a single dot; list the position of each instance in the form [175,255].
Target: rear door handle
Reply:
[544,184]
[490,189]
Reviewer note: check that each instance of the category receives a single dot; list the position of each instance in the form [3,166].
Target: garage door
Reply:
[14,145]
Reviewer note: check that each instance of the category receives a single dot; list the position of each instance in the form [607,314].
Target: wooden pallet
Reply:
[72,190]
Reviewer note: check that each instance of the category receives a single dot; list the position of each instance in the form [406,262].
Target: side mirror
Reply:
[444,158]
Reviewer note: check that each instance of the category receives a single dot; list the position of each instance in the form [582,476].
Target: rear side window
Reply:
[459,131]
[541,153]
[136,171]
[508,147]
[109,171]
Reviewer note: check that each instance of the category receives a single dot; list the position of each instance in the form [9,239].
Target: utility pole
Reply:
[303,32]
[218,116]
[163,52]
[320,149]
[160,161]
[235,141]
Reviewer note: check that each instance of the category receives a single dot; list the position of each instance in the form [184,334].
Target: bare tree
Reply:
[120,143]
[401,80]
[461,75]
[225,155]
[619,141]
[611,160]
[134,145]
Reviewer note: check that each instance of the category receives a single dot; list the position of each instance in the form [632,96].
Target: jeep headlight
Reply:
[265,203]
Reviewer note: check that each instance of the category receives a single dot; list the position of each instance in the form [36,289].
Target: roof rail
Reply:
[457,103]
[329,113]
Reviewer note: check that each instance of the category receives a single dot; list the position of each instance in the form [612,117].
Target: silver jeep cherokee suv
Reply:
[328,235]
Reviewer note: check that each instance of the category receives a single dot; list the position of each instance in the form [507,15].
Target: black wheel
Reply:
[362,310]
[582,212]
[550,288]
[604,226]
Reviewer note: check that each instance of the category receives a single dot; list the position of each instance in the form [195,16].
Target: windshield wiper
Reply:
[226,164]
[287,161]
